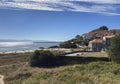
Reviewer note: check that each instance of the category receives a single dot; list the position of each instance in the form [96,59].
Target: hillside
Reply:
[83,40]
[103,32]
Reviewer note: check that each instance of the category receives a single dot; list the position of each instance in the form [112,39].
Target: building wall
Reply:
[96,46]
[108,41]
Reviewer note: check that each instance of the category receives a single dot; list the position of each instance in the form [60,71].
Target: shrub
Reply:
[54,46]
[67,44]
[114,49]
[42,58]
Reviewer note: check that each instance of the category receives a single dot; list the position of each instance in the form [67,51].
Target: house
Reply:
[96,44]
[107,40]
[102,39]
[99,44]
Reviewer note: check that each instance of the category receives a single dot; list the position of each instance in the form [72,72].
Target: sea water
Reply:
[24,46]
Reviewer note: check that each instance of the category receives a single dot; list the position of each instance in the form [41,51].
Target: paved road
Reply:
[75,54]
[89,54]
[1,79]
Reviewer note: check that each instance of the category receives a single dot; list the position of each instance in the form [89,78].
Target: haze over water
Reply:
[23,46]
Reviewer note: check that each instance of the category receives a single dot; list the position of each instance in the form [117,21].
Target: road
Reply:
[89,54]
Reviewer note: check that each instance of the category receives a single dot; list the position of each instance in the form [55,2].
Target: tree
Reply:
[67,44]
[100,28]
[54,46]
[79,38]
[42,58]
[103,28]
[114,49]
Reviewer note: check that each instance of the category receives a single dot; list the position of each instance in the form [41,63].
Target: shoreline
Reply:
[27,51]
[10,52]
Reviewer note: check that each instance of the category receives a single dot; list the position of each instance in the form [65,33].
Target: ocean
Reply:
[24,46]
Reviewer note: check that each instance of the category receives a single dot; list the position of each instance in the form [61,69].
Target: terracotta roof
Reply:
[108,34]
[96,41]
[111,36]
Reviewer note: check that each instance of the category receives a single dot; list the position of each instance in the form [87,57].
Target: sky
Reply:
[55,20]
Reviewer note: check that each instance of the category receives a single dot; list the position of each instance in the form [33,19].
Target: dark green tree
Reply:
[100,28]
[114,49]
[79,38]
[103,28]
[34,59]
[68,44]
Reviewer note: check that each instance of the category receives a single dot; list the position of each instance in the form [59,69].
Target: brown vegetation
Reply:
[14,58]
[15,66]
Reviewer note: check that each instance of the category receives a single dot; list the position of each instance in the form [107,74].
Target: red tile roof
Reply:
[96,41]
[110,36]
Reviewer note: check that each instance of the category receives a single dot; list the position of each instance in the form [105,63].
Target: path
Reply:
[1,79]
[88,54]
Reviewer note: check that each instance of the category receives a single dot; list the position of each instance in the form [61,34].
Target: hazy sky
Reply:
[55,20]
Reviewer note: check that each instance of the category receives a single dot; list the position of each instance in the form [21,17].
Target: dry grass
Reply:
[92,73]
[14,58]
[17,71]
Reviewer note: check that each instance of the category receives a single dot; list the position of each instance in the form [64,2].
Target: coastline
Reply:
[27,51]
[15,47]
[10,52]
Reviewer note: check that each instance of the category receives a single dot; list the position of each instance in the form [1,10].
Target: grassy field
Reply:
[92,73]
[77,70]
